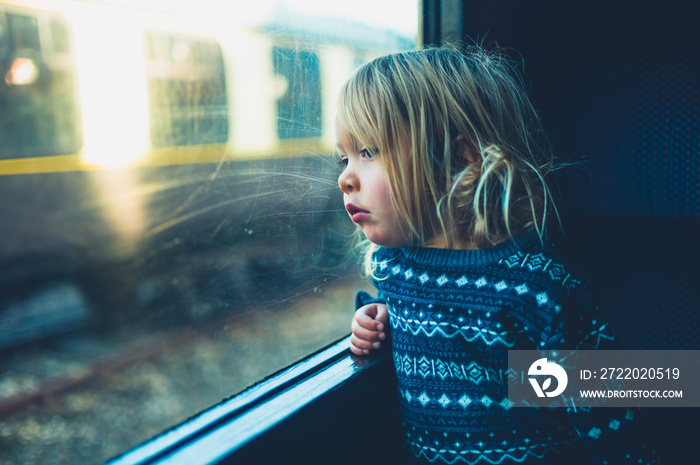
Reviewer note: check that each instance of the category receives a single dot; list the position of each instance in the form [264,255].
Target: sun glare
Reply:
[113,93]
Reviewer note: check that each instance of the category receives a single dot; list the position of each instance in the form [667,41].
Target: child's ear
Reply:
[462,146]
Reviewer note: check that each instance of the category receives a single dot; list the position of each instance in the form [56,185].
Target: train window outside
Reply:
[37,95]
[299,108]
[4,37]
[172,226]
[24,33]
[60,38]
[186,90]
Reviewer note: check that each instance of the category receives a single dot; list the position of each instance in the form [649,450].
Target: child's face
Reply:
[367,194]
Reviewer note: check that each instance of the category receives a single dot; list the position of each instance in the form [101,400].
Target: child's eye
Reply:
[368,154]
[343,161]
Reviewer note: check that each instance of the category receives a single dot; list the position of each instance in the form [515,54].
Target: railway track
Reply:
[65,362]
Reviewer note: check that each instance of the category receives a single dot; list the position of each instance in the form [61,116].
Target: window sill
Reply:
[310,409]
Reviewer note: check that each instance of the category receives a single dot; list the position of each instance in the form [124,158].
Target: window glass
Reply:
[172,227]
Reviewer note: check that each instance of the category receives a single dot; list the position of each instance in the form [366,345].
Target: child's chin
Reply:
[391,243]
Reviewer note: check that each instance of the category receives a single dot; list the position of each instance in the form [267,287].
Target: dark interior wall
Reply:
[616,81]
[617,84]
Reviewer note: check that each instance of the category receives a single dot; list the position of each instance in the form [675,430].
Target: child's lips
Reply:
[357,214]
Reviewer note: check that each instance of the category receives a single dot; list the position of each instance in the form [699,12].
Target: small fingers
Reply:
[367,322]
[365,343]
[367,334]
[368,328]
[358,351]
[361,346]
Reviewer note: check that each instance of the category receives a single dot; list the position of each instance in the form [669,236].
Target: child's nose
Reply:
[347,181]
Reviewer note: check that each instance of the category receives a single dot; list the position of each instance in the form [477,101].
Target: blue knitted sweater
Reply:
[454,314]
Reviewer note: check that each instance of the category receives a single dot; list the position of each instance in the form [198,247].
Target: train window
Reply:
[4,37]
[24,33]
[186,89]
[172,227]
[60,38]
[299,108]
[39,89]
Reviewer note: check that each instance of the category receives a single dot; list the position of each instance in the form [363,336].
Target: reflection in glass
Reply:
[172,227]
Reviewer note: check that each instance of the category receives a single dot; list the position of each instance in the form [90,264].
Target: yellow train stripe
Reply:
[53,164]
[182,155]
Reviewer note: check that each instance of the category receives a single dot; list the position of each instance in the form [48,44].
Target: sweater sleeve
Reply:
[610,435]
[363,298]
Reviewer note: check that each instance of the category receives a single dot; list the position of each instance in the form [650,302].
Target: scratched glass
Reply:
[172,227]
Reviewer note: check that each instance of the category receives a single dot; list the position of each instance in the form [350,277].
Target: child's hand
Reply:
[368,326]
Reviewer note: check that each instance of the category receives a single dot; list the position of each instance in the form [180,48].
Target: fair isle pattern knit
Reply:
[454,314]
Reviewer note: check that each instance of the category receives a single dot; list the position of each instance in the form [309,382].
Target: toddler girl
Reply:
[445,173]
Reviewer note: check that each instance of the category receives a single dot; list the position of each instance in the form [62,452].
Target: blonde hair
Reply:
[465,153]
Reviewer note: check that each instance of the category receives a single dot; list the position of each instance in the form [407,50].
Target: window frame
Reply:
[228,430]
